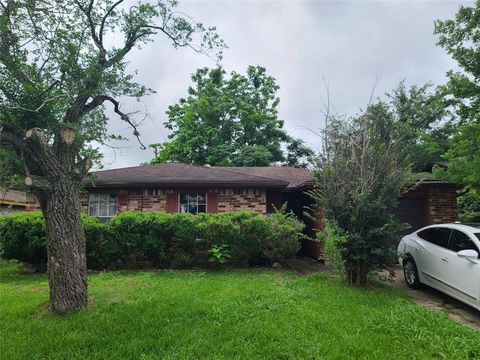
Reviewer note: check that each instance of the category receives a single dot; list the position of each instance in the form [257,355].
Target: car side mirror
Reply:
[468,254]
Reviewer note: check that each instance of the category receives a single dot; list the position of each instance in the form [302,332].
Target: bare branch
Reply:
[100,99]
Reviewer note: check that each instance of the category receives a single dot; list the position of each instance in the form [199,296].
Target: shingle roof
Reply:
[183,175]
[296,178]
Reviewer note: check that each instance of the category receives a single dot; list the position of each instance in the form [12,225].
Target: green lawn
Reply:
[243,314]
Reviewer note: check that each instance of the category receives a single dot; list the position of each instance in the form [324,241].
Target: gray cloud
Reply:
[348,43]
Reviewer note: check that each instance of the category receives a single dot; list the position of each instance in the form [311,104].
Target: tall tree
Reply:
[230,122]
[57,73]
[423,121]
[460,37]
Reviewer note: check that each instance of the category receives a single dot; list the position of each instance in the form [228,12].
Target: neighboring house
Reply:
[12,201]
[176,187]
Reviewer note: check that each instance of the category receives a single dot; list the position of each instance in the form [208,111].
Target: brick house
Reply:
[176,187]
[12,201]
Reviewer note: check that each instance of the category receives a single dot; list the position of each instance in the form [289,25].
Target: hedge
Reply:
[136,239]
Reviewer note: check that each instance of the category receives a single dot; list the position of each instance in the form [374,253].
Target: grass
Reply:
[244,314]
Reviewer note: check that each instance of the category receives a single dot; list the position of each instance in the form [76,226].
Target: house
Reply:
[176,187]
[12,201]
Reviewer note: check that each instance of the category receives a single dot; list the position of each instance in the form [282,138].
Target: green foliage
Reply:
[460,37]
[161,239]
[230,122]
[145,236]
[219,254]
[333,239]
[283,238]
[469,207]
[69,71]
[101,252]
[463,158]
[361,173]
[22,237]
[423,123]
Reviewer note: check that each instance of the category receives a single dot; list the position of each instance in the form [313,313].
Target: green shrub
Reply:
[141,236]
[283,239]
[22,237]
[332,240]
[184,229]
[102,252]
[161,239]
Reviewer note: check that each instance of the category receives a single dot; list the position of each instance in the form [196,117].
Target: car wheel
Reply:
[410,272]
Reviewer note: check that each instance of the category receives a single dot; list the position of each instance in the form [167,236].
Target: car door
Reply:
[462,276]
[431,254]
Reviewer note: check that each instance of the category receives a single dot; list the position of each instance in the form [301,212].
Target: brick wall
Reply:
[442,205]
[242,199]
[146,200]
[155,199]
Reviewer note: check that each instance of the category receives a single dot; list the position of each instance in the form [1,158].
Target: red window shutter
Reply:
[212,203]
[171,200]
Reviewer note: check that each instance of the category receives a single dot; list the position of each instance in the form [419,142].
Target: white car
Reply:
[445,257]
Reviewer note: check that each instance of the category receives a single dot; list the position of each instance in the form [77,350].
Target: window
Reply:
[436,235]
[193,203]
[104,206]
[460,241]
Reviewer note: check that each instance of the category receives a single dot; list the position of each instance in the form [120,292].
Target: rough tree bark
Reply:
[56,184]
[67,266]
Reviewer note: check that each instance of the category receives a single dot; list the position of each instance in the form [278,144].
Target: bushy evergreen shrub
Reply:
[160,239]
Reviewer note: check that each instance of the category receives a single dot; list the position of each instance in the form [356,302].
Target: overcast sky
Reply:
[350,44]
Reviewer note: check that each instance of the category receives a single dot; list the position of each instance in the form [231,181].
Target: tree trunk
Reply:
[67,267]
[357,275]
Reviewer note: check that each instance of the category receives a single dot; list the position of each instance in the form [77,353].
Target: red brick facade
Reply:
[218,200]
[442,205]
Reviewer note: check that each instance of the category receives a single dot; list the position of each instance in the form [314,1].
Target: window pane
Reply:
[438,236]
[192,202]
[461,241]
[202,198]
[183,199]
[102,205]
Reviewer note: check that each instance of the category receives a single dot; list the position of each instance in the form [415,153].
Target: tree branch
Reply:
[100,99]
[104,19]
[38,183]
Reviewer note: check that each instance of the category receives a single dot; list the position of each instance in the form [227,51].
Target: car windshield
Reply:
[477,235]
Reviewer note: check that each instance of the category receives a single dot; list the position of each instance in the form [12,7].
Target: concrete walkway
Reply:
[426,296]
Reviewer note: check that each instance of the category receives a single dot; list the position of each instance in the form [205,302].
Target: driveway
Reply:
[438,301]
[426,296]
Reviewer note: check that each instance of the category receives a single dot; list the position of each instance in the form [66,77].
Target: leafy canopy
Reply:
[460,37]
[230,122]
[62,61]
[423,121]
